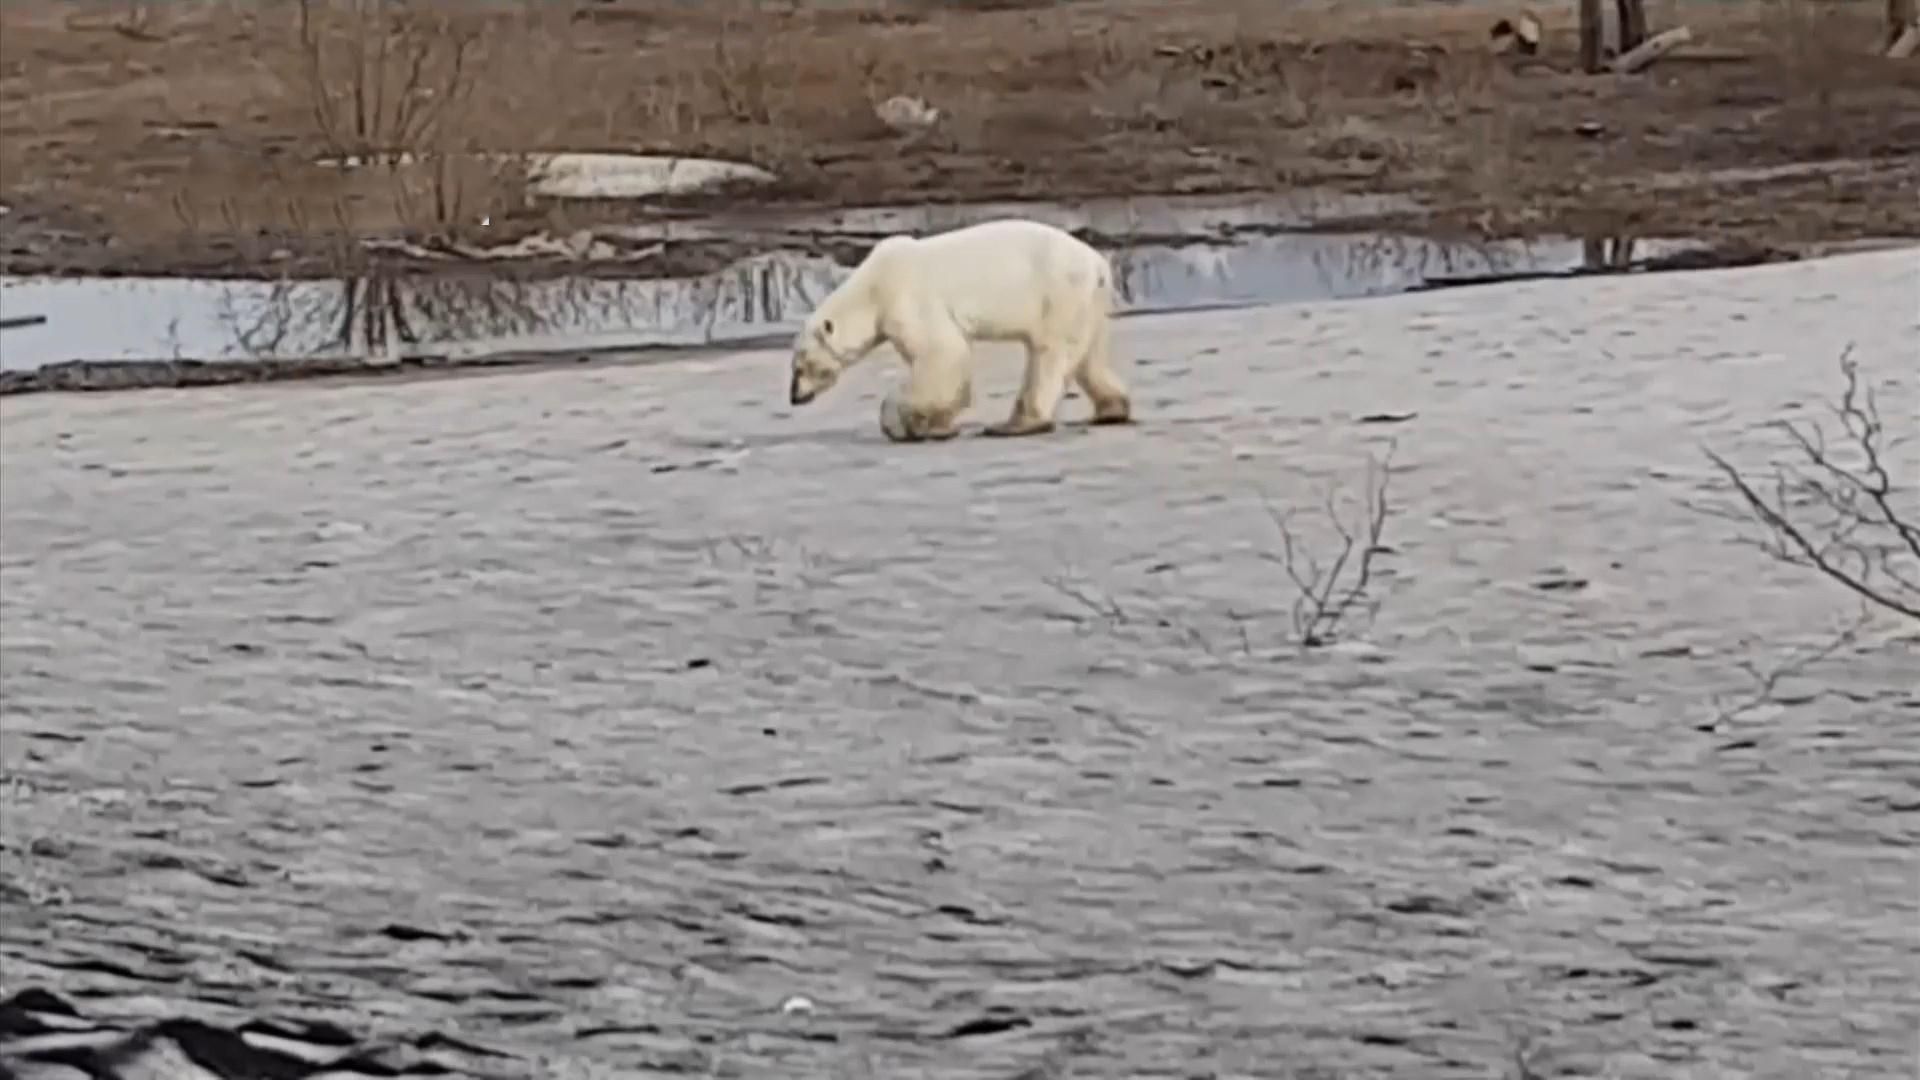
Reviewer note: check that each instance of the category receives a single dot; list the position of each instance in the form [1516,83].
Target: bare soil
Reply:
[185,137]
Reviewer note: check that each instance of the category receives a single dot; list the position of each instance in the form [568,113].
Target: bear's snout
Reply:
[797,392]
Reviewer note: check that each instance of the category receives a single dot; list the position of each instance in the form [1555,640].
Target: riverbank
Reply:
[205,138]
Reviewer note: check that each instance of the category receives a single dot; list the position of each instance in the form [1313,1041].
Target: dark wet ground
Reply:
[594,716]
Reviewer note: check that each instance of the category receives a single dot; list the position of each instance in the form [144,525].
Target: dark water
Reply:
[1172,255]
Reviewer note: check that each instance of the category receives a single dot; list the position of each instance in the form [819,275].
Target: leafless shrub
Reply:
[1836,507]
[1815,55]
[1356,138]
[746,71]
[383,82]
[1330,591]
[397,88]
[1098,606]
[1096,602]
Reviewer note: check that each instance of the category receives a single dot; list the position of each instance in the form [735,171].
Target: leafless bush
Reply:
[1330,591]
[1835,507]
[385,80]
[1098,604]
[750,74]
[397,88]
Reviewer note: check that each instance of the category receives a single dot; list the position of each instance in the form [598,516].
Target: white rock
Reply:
[906,115]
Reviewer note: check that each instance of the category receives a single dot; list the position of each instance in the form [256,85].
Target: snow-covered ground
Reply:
[596,713]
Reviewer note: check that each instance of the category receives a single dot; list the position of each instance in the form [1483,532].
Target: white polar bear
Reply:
[933,297]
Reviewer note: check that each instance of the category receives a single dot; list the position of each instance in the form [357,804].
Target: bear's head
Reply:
[821,351]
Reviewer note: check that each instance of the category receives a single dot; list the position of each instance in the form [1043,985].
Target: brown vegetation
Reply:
[192,133]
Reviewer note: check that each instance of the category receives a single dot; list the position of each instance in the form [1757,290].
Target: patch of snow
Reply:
[635,176]
[602,176]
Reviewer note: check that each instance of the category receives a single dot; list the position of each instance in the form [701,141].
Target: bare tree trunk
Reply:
[1591,31]
[1633,23]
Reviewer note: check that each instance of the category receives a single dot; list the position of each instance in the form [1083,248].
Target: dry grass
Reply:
[202,122]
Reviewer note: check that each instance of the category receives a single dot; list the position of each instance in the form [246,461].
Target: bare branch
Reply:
[1100,603]
[1767,680]
[1837,515]
[1325,599]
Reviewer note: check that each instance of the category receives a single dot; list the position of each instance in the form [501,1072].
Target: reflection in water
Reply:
[403,315]
[462,316]
[407,315]
[1292,268]
[458,315]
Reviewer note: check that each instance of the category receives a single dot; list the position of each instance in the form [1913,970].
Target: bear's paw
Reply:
[904,423]
[893,420]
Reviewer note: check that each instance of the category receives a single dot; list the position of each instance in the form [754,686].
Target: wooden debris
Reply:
[1520,34]
[1652,49]
[1907,44]
[1903,25]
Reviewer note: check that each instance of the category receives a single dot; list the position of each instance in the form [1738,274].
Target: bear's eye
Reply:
[827,327]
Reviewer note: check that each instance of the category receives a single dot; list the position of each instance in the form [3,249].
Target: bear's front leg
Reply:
[939,388]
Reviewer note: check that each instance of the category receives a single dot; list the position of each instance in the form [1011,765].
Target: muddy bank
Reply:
[1169,254]
[198,142]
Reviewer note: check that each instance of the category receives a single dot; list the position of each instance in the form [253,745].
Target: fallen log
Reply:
[1655,47]
[1907,44]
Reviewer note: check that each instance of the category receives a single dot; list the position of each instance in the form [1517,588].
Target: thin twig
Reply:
[1100,603]
[1767,680]
[1325,598]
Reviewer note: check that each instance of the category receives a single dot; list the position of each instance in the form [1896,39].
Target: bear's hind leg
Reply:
[1040,392]
[1096,378]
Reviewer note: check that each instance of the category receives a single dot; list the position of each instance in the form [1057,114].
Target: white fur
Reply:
[933,297]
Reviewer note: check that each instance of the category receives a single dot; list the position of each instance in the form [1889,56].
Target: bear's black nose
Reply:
[796,395]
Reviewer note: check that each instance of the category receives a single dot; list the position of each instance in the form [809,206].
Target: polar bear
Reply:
[933,297]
